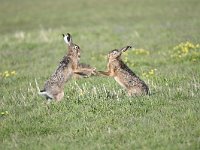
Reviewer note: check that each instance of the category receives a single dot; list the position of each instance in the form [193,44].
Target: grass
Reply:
[95,112]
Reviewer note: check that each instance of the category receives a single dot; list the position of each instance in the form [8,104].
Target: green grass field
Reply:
[96,113]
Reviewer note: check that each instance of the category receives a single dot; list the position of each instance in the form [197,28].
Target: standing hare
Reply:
[123,74]
[54,86]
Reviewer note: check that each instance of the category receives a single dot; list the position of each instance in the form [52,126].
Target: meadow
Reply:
[96,112]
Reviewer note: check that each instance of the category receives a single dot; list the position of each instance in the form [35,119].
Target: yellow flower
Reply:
[185,50]
[151,72]
[7,75]
[140,52]
[13,73]
[4,113]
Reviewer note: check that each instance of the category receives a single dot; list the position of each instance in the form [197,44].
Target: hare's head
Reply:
[74,49]
[116,53]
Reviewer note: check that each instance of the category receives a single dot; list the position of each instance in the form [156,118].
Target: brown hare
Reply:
[123,74]
[54,86]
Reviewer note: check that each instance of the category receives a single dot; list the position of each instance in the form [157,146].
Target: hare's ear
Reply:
[125,48]
[67,38]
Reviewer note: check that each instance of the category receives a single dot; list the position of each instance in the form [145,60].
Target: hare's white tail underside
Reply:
[43,92]
[38,89]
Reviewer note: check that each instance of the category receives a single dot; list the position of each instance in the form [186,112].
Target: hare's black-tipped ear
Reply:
[67,38]
[125,48]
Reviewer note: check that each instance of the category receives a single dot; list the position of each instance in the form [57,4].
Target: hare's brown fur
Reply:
[124,75]
[54,86]
[86,71]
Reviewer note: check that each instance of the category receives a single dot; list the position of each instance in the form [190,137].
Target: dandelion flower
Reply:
[13,73]
[7,75]
[4,113]
[151,72]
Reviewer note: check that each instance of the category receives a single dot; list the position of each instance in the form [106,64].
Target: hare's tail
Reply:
[43,92]
[40,92]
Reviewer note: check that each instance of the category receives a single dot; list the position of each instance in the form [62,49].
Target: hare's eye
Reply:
[114,52]
[76,47]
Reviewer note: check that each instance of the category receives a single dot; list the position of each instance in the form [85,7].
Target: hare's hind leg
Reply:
[136,92]
[133,92]
[59,96]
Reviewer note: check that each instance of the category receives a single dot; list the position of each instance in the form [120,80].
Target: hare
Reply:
[123,74]
[86,71]
[54,86]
